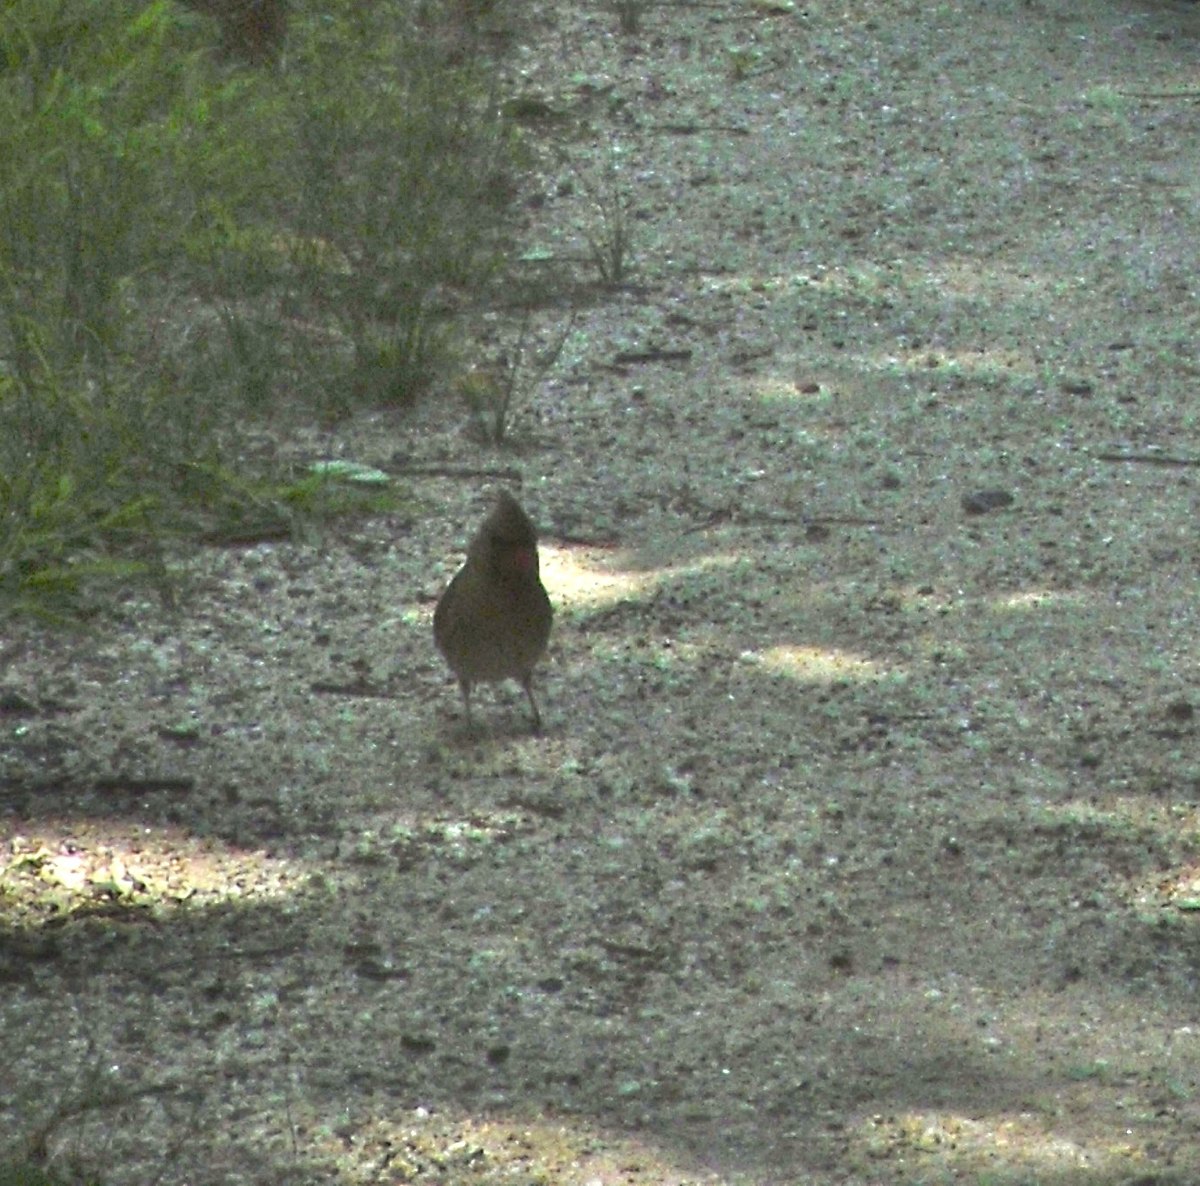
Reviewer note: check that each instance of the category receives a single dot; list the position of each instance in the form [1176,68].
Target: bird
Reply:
[493,620]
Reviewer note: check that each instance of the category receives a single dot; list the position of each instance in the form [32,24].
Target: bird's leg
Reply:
[465,687]
[527,684]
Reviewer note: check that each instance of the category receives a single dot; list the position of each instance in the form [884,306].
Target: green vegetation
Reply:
[609,235]
[494,393]
[26,1174]
[189,244]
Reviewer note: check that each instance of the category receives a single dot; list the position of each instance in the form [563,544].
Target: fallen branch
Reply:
[634,357]
[1148,458]
[355,688]
[1159,94]
[716,518]
[455,471]
[140,786]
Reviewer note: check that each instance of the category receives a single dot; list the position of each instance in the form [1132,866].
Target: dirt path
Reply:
[861,846]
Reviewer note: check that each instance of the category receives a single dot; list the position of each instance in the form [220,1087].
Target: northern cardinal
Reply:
[493,621]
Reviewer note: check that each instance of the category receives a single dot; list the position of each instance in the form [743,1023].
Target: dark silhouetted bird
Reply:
[493,621]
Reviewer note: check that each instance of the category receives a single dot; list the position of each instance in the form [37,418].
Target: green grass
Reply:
[26,1174]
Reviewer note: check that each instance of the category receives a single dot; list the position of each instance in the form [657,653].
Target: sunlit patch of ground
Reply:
[59,869]
[587,579]
[815,665]
[1008,1149]
[427,1145]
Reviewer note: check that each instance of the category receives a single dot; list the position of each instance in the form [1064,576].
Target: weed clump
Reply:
[191,239]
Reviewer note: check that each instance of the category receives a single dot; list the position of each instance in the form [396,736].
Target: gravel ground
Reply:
[861,844]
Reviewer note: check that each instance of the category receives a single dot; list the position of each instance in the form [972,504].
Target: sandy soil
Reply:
[861,846]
